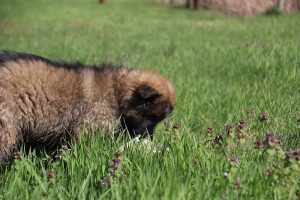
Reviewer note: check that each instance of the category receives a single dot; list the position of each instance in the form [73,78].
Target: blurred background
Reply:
[241,7]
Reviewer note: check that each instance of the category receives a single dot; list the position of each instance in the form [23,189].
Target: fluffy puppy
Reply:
[43,102]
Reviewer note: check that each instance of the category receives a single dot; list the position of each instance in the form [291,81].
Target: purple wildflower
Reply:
[259,144]
[210,129]
[264,117]
[111,170]
[114,166]
[106,181]
[219,138]
[166,125]
[103,182]
[49,174]
[234,159]
[228,128]
[176,126]
[237,182]
[116,162]
[293,154]
[271,138]
[239,135]
[241,124]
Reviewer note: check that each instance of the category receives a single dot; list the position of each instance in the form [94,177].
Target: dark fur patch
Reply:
[6,56]
[145,92]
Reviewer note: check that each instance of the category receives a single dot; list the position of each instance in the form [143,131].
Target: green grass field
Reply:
[225,69]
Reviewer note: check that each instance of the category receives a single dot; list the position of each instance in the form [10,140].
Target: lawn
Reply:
[243,72]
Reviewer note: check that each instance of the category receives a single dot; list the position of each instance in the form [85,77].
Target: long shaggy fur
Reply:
[43,101]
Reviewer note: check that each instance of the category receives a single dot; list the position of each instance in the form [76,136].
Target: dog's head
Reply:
[150,98]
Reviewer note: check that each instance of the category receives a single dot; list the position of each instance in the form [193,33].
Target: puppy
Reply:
[43,103]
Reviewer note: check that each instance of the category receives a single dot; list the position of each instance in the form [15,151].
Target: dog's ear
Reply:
[145,92]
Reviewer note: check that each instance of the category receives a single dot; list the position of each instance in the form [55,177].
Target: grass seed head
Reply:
[66,149]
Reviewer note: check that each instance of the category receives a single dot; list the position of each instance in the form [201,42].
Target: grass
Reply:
[222,68]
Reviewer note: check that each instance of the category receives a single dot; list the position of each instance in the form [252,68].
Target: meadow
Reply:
[235,130]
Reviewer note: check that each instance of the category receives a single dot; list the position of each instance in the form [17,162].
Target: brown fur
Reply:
[43,102]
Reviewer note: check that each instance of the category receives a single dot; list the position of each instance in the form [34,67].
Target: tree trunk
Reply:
[187,3]
[196,4]
[281,4]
